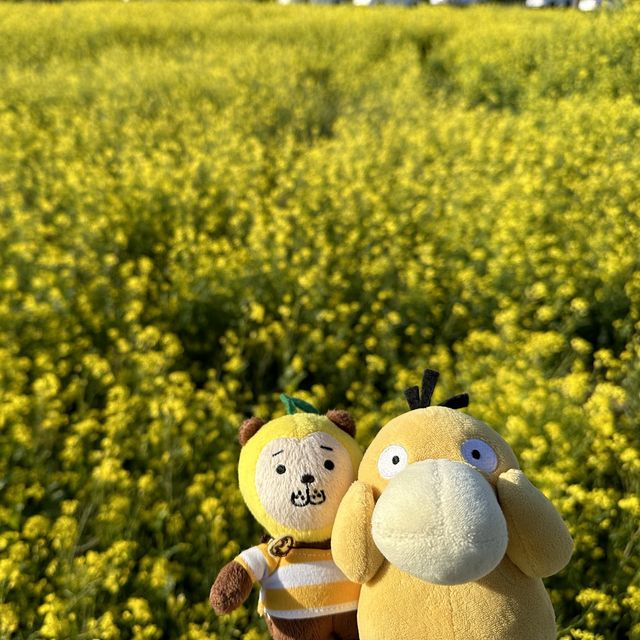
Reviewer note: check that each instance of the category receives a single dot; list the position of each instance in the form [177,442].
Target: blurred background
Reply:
[205,204]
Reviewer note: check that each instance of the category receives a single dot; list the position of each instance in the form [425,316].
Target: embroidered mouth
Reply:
[301,498]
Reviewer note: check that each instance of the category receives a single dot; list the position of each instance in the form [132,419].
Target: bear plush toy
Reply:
[293,472]
[448,537]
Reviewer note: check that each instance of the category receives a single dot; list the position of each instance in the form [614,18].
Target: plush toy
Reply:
[446,534]
[293,472]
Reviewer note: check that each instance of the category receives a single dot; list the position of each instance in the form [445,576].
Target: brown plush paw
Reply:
[231,588]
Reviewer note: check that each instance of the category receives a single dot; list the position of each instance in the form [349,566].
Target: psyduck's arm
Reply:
[352,546]
[539,542]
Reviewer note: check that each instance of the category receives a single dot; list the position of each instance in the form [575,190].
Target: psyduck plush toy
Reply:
[447,536]
[293,472]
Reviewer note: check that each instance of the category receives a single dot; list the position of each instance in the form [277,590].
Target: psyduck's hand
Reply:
[539,542]
[352,545]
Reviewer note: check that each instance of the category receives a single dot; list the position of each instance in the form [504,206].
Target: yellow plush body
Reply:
[504,604]
[446,549]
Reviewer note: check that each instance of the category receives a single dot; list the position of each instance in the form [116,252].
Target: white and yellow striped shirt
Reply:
[306,583]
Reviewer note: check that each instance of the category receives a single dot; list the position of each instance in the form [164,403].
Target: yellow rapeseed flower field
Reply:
[204,204]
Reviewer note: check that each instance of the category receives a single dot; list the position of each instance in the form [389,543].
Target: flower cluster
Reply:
[204,204]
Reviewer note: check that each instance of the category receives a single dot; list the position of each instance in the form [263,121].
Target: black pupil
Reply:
[280,469]
[395,459]
[475,454]
[329,465]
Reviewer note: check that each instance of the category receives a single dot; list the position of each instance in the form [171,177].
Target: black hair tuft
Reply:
[421,398]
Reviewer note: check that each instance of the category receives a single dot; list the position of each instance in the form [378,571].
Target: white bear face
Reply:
[300,482]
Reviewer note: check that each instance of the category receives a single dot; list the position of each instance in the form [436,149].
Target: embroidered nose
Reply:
[307,479]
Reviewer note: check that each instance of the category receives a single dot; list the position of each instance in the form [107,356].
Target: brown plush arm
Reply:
[352,545]
[539,542]
[231,588]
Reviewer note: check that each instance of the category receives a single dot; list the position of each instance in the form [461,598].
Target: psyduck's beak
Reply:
[440,521]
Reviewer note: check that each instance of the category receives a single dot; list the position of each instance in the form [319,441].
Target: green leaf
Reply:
[288,403]
[304,406]
[293,404]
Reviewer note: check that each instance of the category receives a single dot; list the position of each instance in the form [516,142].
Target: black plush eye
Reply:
[280,469]
[395,459]
[329,465]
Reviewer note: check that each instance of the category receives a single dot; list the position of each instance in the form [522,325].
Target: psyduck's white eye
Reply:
[479,454]
[392,461]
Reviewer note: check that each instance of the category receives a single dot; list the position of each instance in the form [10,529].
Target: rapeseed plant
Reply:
[203,205]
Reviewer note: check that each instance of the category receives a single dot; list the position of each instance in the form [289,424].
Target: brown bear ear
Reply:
[343,420]
[249,428]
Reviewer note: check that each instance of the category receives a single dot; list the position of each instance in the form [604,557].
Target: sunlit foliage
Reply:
[202,205]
